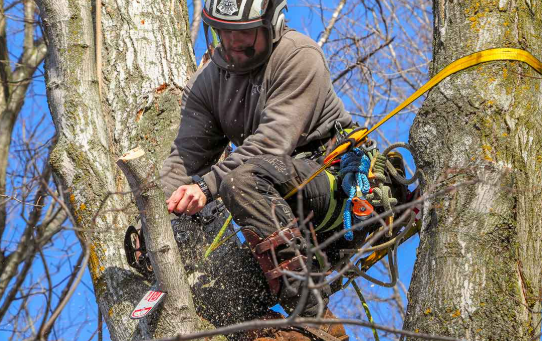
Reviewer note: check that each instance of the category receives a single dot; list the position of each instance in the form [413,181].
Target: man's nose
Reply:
[239,38]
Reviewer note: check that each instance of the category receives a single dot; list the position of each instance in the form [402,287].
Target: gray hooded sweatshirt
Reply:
[286,104]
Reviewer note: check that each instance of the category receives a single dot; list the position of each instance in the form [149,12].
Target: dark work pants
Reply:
[254,192]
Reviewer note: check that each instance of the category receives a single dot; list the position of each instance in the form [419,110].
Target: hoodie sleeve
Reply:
[200,140]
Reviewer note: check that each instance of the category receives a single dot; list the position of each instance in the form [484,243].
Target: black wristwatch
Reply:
[203,186]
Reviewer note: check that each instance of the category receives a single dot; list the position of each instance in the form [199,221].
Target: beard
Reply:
[244,58]
[241,58]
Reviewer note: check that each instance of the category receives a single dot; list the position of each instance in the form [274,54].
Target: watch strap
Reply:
[198,180]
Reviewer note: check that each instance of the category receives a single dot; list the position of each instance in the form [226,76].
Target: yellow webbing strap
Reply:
[460,64]
[339,219]
[366,308]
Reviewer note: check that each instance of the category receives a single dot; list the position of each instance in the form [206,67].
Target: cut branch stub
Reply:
[178,309]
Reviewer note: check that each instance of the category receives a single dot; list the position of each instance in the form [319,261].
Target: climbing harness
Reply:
[358,136]
[380,195]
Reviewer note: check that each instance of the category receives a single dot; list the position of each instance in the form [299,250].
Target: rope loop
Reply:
[393,172]
[354,170]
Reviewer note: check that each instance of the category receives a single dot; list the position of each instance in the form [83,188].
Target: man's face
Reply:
[236,43]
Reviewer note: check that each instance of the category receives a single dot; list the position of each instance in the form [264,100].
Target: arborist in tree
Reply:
[268,91]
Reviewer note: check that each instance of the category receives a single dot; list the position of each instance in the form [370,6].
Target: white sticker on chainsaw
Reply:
[147,303]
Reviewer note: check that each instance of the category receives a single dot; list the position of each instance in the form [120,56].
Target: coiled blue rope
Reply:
[354,170]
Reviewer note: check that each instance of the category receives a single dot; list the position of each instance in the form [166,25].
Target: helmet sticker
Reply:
[227,7]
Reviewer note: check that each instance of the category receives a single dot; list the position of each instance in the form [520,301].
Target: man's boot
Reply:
[285,335]
[326,332]
[262,249]
[335,330]
[274,334]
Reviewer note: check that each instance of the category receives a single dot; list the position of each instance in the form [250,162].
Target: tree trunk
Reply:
[478,273]
[147,59]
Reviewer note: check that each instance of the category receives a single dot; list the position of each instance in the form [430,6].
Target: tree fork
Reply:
[178,308]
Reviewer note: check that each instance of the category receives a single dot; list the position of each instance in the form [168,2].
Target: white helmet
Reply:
[252,17]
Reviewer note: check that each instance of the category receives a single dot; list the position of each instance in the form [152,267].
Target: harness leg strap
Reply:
[261,250]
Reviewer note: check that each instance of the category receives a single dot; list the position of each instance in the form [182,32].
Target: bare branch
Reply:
[19,201]
[178,306]
[29,10]
[360,61]
[49,289]
[258,324]
[11,5]
[24,249]
[196,21]
[11,107]
[5,69]
[331,24]
[14,288]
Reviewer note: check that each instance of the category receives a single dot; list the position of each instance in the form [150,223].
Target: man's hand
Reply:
[188,199]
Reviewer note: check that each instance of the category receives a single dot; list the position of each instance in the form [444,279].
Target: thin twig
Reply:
[20,201]
[361,61]
[8,299]
[100,325]
[50,291]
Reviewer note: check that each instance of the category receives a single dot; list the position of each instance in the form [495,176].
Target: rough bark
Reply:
[478,273]
[147,59]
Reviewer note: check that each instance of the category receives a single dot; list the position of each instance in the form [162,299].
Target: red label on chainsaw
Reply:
[147,303]
[154,296]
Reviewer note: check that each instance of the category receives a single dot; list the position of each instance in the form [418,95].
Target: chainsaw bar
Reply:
[150,300]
